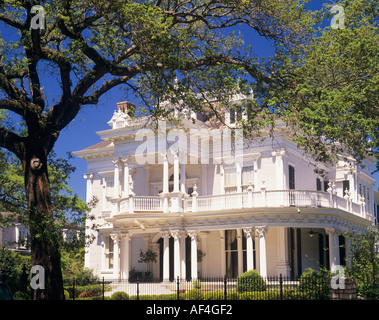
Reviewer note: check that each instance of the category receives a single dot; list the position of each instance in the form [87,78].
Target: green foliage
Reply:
[250,281]
[148,256]
[364,263]
[8,263]
[72,264]
[327,88]
[135,275]
[195,294]
[214,295]
[315,284]
[119,295]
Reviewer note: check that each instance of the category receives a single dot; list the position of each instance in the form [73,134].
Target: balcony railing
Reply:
[250,199]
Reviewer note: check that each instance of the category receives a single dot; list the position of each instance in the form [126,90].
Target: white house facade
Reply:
[207,209]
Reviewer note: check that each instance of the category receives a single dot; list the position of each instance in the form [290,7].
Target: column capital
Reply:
[175,234]
[183,234]
[193,234]
[125,236]
[249,231]
[125,160]
[116,236]
[116,161]
[261,231]
[165,234]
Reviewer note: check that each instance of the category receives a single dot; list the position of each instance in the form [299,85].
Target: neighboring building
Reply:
[264,208]
[15,236]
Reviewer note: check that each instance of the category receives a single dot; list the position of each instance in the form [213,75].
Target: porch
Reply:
[190,255]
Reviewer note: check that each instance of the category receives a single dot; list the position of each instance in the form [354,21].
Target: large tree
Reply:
[177,50]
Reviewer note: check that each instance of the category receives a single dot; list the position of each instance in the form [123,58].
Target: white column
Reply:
[334,253]
[222,179]
[166,256]
[165,173]
[239,176]
[193,235]
[176,237]
[116,183]
[88,232]
[183,173]
[89,178]
[283,266]
[183,272]
[116,256]
[126,178]
[249,248]
[176,170]
[165,183]
[125,252]
[239,251]
[103,258]
[262,251]
[222,253]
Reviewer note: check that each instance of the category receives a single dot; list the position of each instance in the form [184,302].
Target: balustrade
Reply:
[249,199]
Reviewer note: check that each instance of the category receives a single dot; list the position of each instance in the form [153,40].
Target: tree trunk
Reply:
[43,230]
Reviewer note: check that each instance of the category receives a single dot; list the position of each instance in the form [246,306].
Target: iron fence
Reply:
[268,288]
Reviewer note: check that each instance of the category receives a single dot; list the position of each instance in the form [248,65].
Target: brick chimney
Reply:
[126,107]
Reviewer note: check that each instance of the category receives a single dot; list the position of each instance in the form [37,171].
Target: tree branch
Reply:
[12,142]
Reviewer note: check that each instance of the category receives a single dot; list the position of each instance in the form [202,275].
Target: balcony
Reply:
[176,202]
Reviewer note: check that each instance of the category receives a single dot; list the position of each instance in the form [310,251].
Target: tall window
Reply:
[109,252]
[230,175]
[247,175]
[231,252]
[318,184]
[291,177]
[345,185]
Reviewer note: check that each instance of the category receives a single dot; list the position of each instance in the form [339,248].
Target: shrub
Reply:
[120,295]
[86,294]
[195,294]
[97,289]
[314,284]
[66,295]
[250,281]
[170,296]
[214,295]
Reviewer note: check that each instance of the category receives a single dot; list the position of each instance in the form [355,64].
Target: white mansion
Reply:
[204,209]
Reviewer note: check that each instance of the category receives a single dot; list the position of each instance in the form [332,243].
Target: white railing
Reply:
[146,203]
[250,199]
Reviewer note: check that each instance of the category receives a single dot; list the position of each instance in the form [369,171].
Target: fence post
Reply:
[177,288]
[73,289]
[137,288]
[103,288]
[281,286]
[225,289]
